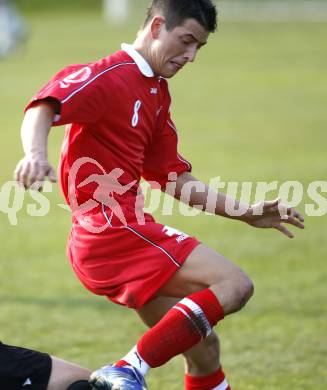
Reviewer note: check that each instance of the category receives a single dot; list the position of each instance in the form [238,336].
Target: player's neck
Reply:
[143,47]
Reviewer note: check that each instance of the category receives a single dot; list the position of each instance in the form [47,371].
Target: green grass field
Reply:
[252,108]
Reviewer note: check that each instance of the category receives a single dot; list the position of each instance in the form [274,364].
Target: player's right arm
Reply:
[34,166]
[76,94]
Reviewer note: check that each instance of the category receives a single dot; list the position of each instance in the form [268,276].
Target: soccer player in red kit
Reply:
[120,129]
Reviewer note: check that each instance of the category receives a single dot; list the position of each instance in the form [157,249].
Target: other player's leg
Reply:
[66,375]
[22,367]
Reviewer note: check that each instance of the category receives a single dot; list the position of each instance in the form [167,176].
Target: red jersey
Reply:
[118,117]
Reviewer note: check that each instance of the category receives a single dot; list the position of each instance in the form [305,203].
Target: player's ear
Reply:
[158,22]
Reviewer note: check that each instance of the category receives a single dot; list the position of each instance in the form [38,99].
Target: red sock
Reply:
[214,381]
[186,324]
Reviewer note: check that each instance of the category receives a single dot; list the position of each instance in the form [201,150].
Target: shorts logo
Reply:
[169,231]
[76,77]
[27,382]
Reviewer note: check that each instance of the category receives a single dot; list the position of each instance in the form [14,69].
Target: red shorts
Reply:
[128,263]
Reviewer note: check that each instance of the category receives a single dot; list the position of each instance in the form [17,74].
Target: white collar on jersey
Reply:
[142,64]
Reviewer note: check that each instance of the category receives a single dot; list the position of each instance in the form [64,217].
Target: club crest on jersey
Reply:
[154,91]
[76,77]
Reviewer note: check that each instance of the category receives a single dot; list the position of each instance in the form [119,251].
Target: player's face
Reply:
[173,49]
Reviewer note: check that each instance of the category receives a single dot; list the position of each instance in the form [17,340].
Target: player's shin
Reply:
[186,324]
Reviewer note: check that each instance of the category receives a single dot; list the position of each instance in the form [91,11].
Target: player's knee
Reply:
[244,290]
[234,291]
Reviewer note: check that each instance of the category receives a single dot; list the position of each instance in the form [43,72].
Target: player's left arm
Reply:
[267,214]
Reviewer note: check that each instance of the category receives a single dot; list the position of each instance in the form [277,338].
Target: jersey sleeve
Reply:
[163,158]
[81,95]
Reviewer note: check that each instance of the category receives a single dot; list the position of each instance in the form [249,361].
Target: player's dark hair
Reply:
[177,11]
[80,385]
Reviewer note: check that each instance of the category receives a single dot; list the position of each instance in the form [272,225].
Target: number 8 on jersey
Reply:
[135,119]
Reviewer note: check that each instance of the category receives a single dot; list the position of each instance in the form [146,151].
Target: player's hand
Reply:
[272,214]
[30,170]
